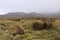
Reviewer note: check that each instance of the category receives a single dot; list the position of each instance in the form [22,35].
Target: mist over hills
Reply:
[29,15]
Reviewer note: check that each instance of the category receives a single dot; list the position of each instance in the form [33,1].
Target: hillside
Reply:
[29,15]
[21,15]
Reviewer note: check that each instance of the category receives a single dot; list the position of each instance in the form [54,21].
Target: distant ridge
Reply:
[21,15]
[28,15]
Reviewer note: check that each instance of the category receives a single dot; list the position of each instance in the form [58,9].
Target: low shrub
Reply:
[40,26]
[37,25]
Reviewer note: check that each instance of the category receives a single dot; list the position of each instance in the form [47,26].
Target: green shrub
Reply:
[47,25]
[40,26]
[37,25]
[1,32]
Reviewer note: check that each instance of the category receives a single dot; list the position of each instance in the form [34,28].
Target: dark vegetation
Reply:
[47,24]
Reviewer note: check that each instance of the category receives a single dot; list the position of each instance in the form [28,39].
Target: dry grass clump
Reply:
[7,37]
[19,37]
[2,24]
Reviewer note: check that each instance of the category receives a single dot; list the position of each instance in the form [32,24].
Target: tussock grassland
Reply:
[6,34]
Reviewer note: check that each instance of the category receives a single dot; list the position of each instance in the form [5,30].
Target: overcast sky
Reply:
[29,6]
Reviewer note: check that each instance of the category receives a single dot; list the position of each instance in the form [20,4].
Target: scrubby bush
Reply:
[44,25]
[47,25]
[52,19]
[37,25]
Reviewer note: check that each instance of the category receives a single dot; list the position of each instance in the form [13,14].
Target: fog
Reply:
[29,6]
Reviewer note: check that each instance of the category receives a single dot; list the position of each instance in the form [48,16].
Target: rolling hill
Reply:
[29,15]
